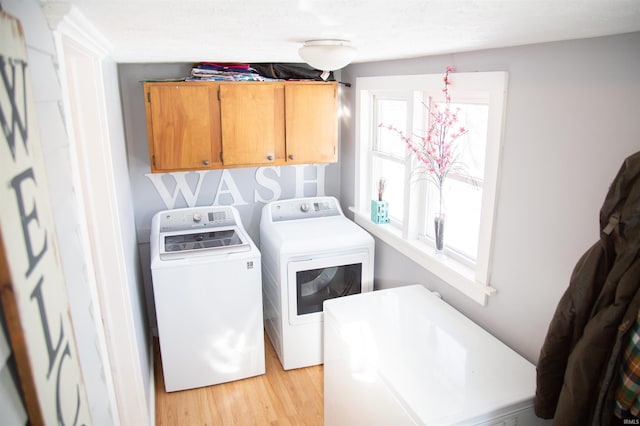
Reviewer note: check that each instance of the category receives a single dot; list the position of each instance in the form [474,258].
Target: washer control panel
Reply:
[195,218]
[304,208]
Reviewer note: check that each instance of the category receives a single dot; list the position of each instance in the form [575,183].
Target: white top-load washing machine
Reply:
[207,287]
[311,253]
[403,356]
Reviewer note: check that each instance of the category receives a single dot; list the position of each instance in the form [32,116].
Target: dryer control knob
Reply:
[304,207]
[197,217]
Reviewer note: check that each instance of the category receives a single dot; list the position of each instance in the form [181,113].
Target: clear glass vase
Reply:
[439,223]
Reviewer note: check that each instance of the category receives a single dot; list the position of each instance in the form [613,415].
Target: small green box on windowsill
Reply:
[379,211]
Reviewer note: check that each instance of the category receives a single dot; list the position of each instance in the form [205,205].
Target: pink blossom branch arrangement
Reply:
[437,150]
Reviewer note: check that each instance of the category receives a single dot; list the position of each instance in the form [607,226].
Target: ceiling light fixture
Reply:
[327,55]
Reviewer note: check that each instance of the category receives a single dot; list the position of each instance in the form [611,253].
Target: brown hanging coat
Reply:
[578,368]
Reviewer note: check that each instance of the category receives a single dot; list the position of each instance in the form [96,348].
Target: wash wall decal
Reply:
[268,185]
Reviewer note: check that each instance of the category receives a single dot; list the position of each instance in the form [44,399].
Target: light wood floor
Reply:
[279,397]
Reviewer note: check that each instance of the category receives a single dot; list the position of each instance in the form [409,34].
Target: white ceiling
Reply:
[273,30]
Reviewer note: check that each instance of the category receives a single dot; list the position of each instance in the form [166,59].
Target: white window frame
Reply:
[397,96]
[471,280]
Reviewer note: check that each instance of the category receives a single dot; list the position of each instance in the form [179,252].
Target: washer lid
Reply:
[203,241]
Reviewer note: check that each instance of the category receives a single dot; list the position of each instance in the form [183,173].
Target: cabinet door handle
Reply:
[292,157]
[270,157]
[205,162]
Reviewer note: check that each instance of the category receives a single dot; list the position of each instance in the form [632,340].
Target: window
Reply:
[469,193]
[388,156]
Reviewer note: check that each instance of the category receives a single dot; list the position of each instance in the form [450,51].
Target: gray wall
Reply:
[245,188]
[573,116]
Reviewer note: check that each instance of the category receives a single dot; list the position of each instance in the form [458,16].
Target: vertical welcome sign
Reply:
[32,289]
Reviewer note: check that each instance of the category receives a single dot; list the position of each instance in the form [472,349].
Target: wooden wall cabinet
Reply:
[252,123]
[211,125]
[183,125]
[311,123]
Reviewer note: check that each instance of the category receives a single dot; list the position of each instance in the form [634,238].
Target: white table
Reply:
[403,356]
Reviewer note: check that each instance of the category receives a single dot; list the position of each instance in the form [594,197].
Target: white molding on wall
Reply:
[61,37]
[66,19]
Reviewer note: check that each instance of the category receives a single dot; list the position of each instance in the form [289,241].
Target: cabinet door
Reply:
[311,122]
[252,123]
[183,123]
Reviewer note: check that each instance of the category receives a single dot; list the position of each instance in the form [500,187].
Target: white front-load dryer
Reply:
[311,253]
[207,286]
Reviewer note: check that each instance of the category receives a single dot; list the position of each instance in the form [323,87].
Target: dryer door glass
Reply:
[312,281]
[317,285]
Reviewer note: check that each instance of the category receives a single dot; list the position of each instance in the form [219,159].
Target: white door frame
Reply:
[81,52]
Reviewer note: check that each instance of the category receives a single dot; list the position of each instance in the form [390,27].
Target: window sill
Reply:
[457,275]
